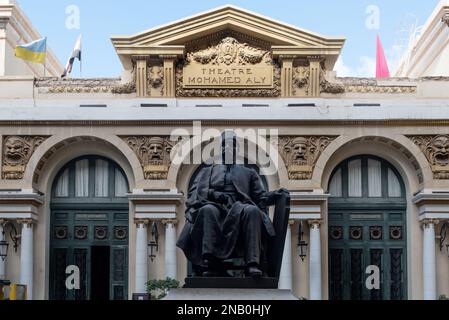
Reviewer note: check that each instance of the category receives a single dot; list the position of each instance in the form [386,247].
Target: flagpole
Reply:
[81,57]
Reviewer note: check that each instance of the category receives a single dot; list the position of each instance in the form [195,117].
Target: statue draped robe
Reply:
[231,225]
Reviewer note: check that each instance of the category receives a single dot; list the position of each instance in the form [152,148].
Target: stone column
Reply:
[429,259]
[315,72]
[286,277]
[169,75]
[141,275]
[141,77]
[170,249]
[2,263]
[315,260]
[26,256]
[287,76]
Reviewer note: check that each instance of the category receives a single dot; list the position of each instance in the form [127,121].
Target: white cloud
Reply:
[366,68]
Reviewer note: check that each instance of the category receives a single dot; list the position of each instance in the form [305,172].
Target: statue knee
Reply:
[208,212]
[252,212]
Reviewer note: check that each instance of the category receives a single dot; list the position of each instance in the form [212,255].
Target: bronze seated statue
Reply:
[227,218]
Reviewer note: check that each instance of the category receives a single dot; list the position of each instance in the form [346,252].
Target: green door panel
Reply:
[367,231]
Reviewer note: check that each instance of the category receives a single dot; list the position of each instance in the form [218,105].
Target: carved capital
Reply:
[17,151]
[287,57]
[315,58]
[153,153]
[28,222]
[139,57]
[301,154]
[142,222]
[436,150]
[167,222]
[315,223]
[426,223]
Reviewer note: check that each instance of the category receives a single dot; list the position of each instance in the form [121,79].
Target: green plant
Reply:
[443,297]
[159,288]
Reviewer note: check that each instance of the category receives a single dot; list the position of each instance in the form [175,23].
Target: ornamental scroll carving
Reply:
[300,154]
[327,86]
[230,52]
[436,150]
[229,68]
[153,153]
[17,151]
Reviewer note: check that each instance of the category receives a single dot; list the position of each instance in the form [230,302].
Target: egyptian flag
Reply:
[76,54]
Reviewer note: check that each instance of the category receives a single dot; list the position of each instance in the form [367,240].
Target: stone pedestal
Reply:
[230,294]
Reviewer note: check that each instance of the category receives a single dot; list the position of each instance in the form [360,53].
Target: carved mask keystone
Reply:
[301,154]
[17,151]
[436,150]
[153,154]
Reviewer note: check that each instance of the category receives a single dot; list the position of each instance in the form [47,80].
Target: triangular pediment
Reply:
[283,39]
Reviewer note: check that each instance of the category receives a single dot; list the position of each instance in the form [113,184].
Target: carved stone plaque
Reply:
[230,64]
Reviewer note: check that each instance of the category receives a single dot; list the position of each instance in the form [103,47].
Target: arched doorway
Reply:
[367,227]
[89,230]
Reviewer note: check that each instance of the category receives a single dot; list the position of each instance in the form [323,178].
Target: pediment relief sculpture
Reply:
[230,52]
[436,150]
[17,151]
[229,68]
[153,153]
[301,154]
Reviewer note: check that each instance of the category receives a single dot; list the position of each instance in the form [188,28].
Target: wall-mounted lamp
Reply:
[153,244]
[443,234]
[4,245]
[302,244]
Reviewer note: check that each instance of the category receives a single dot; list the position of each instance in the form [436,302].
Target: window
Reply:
[366,177]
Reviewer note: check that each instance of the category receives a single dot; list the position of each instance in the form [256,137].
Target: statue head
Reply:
[155,149]
[229,147]
[299,149]
[15,150]
[440,148]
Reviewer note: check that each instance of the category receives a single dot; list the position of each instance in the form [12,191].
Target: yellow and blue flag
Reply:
[35,51]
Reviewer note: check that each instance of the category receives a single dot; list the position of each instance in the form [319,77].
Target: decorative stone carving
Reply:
[445,19]
[436,150]
[381,89]
[17,151]
[155,76]
[230,52]
[230,55]
[301,76]
[153,154]
[126,88]
[100,85]
[301,154]
[327,86]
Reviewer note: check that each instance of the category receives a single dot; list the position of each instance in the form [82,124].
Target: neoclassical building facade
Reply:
[89,177]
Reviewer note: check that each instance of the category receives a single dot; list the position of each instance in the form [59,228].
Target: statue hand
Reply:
[218,197]
[270,198]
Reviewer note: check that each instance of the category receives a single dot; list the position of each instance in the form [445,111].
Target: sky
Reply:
[357,20]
